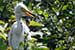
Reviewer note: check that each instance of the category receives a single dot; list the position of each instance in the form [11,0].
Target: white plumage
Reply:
[16,34]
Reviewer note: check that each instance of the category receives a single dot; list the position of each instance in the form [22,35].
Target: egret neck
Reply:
[19,23]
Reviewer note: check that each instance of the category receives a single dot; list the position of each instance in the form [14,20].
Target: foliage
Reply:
[33,23]
[56,15]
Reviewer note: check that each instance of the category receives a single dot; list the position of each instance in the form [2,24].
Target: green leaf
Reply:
[3,36]
[30,5]
[39,48]
[1,8]
[2,22]
[39,11]
[12,16]
[54,9]
[21,44]
[2,45]
[33,23]
[46,15]
[65,7]
[60,48]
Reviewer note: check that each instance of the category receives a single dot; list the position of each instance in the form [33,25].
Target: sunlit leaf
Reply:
[33,39]
[46,15]
[33,23]
[2,22]
[65,7]
[9,48]
[60,48]
[42,48]
[12,16]
[2,36]
[39,11]
[1,28]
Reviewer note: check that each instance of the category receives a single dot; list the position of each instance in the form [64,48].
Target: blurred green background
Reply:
[57,16]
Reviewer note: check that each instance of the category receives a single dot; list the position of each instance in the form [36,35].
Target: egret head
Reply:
[22,10]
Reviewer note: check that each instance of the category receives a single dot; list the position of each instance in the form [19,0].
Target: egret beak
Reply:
[27,12]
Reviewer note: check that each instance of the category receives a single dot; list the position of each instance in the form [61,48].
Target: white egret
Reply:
[16,34]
